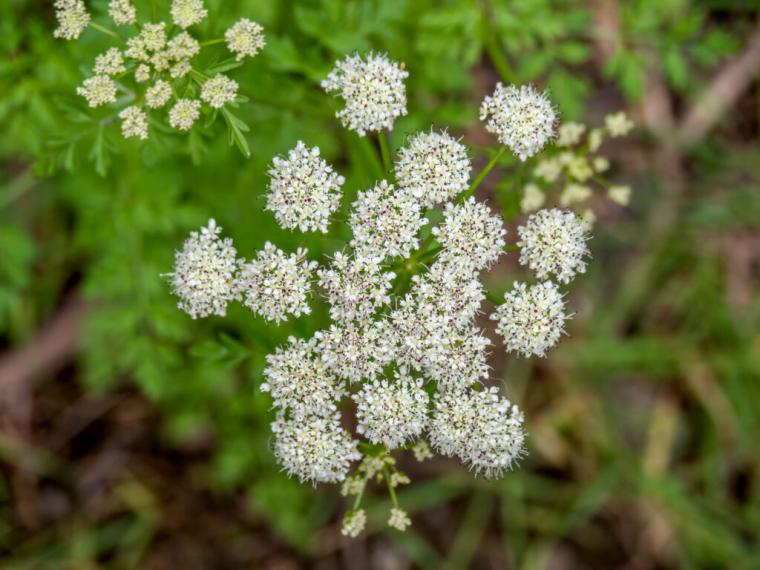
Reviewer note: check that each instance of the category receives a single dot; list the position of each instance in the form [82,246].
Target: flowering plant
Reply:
[404,347]
[151,79]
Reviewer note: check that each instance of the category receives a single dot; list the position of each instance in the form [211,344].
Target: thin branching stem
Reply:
[479,178]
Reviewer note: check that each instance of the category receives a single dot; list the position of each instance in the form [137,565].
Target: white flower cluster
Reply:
[520,117]
[276,285]
[158,55]
[481,428]
[205,276]
[532,318]
[404,343]
[385,223]
[433,167]
[304,190]
[372,89]
[553,242]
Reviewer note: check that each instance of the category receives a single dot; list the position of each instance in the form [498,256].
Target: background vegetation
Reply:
[133,437]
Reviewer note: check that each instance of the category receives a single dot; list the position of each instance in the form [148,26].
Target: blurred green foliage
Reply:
[82,209]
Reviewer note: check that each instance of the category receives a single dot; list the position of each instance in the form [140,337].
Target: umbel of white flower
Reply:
[553,242]
[404,342]
[520,117]
[158,58]
[372,89]
[304,190]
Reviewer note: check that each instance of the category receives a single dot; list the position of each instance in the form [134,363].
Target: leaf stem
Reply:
[391,490]
[104,30]
[384,150]
[483,173]
[212,42]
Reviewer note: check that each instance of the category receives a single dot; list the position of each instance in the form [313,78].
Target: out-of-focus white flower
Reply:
[354,288]
[531,319]
[353,523]
[182,47]
[109,63]
[186,13]
[180,69]
[372,89]
[595,139]
[98,90]
[219,90]
[352,352]
[299,381]
[471,236]
[601,164]
[422,451]
[533,198]
[134,122]
[158,94]
[574,194]
[315,449]
[620,194]
[205,273]
[482,429]
[580,169]
[72,18]
[244,38]
[618,124]
[122,12]
[184,113]
[304,190]
[549,169]
[399,519]
[553,242]
[520,117]
[384,223]
[142,73]
[276,285]
[570,134]
[433,167]
[392,412]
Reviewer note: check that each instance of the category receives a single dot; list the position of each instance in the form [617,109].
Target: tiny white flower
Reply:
[219,90]
[533,198]
[354,523]
[277,285]
[549,169]
[304,190]
[354,288]
[72,18]
[158,94]
[570,134]
[186,13]
[471,236]
[299,381]
[98,90]
[399,519]
[385,223]
[109,63]
[459,359]
[574,194]
[182,47]
[353,352]
[482,429]
[315,449]
[372,89]
[520,117]
[244,38]
[134,122]
[205,273]
[184,113]
[553,242]
[532,318]
[142,73]
[122,12]
[421,451]
[433,167]
[620,194]
[618,124]
[392,412]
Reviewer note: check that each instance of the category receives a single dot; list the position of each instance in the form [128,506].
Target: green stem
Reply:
[212,42]
[483,173]
[391,490]
[384,151]
[493,298]
[104,30]
[511,247]
[358,500]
